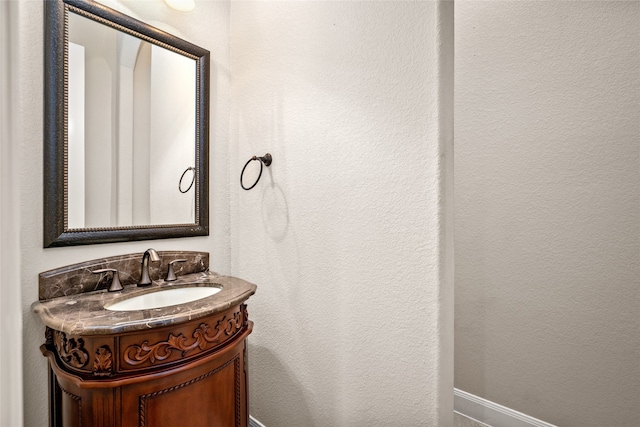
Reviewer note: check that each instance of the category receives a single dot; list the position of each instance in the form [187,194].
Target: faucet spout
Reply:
[144,271]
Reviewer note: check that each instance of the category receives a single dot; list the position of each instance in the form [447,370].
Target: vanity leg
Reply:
[104,408]
[55,400]
[246,381]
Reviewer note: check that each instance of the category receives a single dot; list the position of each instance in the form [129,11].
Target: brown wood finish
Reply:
[193,374]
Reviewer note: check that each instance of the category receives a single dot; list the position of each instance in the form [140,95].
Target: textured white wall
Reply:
[345,234]
[10,317]
[359,241]
[547,208]
[208,27]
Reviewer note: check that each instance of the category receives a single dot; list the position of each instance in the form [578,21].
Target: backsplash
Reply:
[78,278]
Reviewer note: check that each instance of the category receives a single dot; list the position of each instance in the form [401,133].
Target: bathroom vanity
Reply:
[161,350]
[111,364]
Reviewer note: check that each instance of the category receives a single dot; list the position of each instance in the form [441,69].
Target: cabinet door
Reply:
[212,394]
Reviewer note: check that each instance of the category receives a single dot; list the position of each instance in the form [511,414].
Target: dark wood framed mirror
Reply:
[126,129]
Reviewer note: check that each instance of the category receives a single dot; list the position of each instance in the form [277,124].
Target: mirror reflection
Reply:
[131,130]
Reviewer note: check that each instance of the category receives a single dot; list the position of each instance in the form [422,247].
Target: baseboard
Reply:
[254,423]
[491,413]
[479,409]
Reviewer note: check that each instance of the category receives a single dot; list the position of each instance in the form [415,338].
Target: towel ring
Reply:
[266,159]
[190,168]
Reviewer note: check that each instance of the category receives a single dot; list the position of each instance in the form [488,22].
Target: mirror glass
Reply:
[131,130]
[126,129]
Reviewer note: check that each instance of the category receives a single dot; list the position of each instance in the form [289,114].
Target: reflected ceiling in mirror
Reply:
[126,129]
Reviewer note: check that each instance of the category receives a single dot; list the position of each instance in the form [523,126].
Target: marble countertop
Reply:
[84,314]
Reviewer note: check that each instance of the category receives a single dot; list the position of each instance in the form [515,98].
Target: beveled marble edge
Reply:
[84,314]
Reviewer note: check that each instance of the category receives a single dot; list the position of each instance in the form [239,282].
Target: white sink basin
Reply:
[163,298]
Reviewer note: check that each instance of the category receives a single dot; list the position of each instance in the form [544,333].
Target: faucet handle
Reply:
[115,283]
[171,275]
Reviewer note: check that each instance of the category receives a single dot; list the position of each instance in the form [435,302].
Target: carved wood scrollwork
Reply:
[102,362]
[48,336]
[245,315]
[71,350]
[203,336]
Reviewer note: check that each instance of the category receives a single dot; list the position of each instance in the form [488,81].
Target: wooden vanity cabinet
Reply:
[188,375]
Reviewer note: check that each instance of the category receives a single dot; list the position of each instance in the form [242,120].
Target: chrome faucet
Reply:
[144,271]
